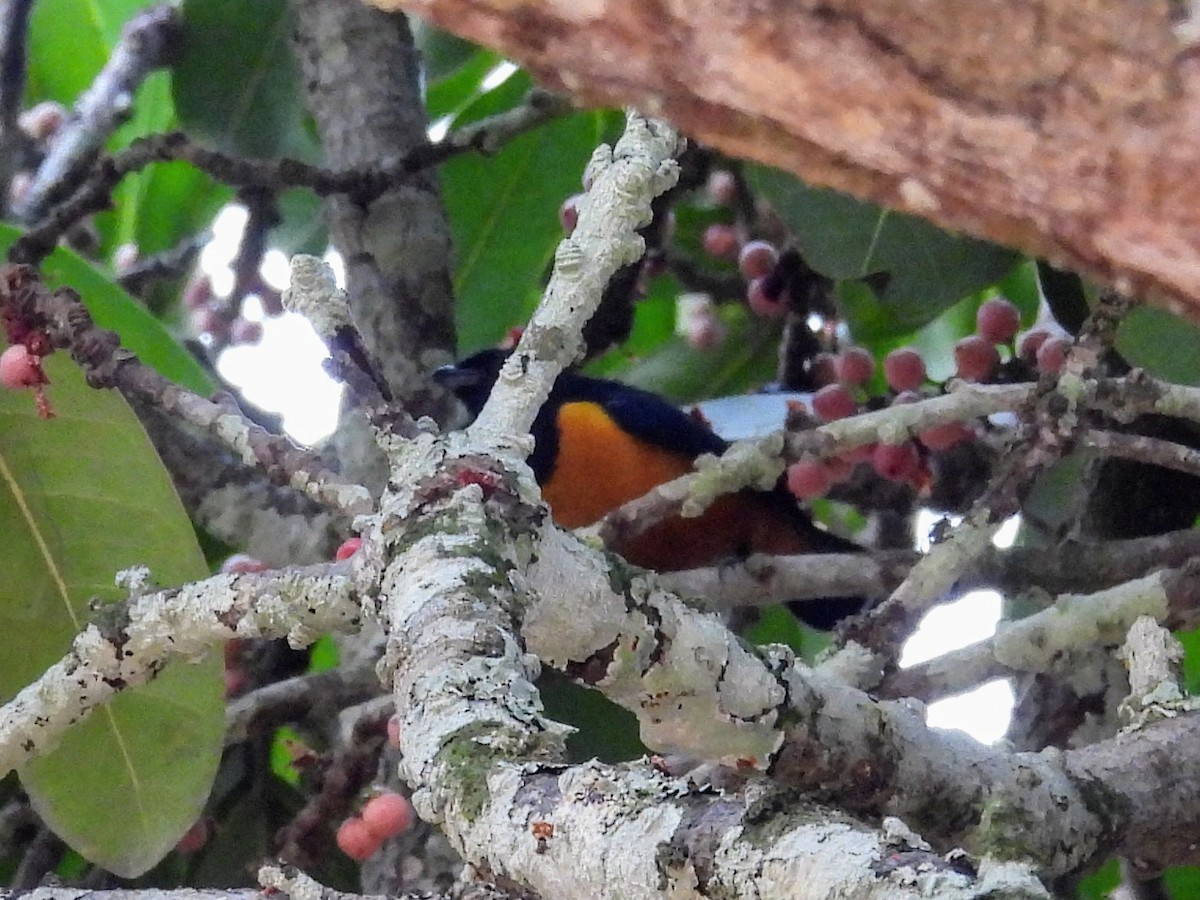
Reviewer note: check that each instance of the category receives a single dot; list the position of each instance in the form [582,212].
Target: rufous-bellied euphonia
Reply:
[600,444]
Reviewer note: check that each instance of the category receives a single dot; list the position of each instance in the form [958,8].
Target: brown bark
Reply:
[1067,128]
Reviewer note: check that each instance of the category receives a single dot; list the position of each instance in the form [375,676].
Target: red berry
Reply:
[997,320]
[904,369]
[240,562]
[823,369]
[856,366]
[943,437]
[808,479]
[1052,354]
[356,840]
[897,462]
[722,187]
[758,259]
[975,358]
[762,302]
[721,241]
[706,334]
[833,402]
[348,548]
[236,681]
[393,731]
[861,453]
[1030,341]
[19,368]
[568,213]
[388,815]
[195,837]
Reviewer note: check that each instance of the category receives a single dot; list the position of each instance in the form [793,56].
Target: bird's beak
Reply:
[456,378]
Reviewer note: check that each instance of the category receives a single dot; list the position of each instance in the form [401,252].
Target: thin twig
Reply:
[14,37]
[172,263]
[363,185]
[66,321]
[147,42]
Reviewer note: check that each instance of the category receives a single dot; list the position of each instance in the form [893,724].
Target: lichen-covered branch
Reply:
[129,643]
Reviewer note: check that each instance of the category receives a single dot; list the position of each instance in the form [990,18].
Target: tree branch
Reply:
[1070,135]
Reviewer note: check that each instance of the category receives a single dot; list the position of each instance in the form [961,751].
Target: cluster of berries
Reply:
[977,358]
[210,316]
[382,817]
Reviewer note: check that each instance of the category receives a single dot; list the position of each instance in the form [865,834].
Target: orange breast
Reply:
[600,466]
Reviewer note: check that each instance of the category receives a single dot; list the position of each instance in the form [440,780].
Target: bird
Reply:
[599,444]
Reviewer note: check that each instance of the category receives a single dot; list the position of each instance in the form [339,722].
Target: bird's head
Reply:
[471,379]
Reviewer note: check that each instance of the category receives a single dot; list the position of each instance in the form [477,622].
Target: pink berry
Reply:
[833,402]
[997,320]
[758,259]
[240,562]
[722,187]
[568,213]
[393,731]
[861,453]
[721,241]
[943,437]
[706,334]
[808,479]
[904,369]
[348,548]
[236,682]
[388,815]
[1052,355]
[195,837]
[19,368]
[1029,342]
[762,302]
[897,462]
[975,358]
[856,366]
[356,840]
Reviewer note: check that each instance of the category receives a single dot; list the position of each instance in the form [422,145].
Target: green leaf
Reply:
[746,359]
[1183,881]
[503,212]
[872,326]
[69,42]
[113,308]
[236,80]
[1163,344]
[927,269]
[303,227]
[1099,884]
[82,496]
[454,93]
[442,53]
[158,207]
